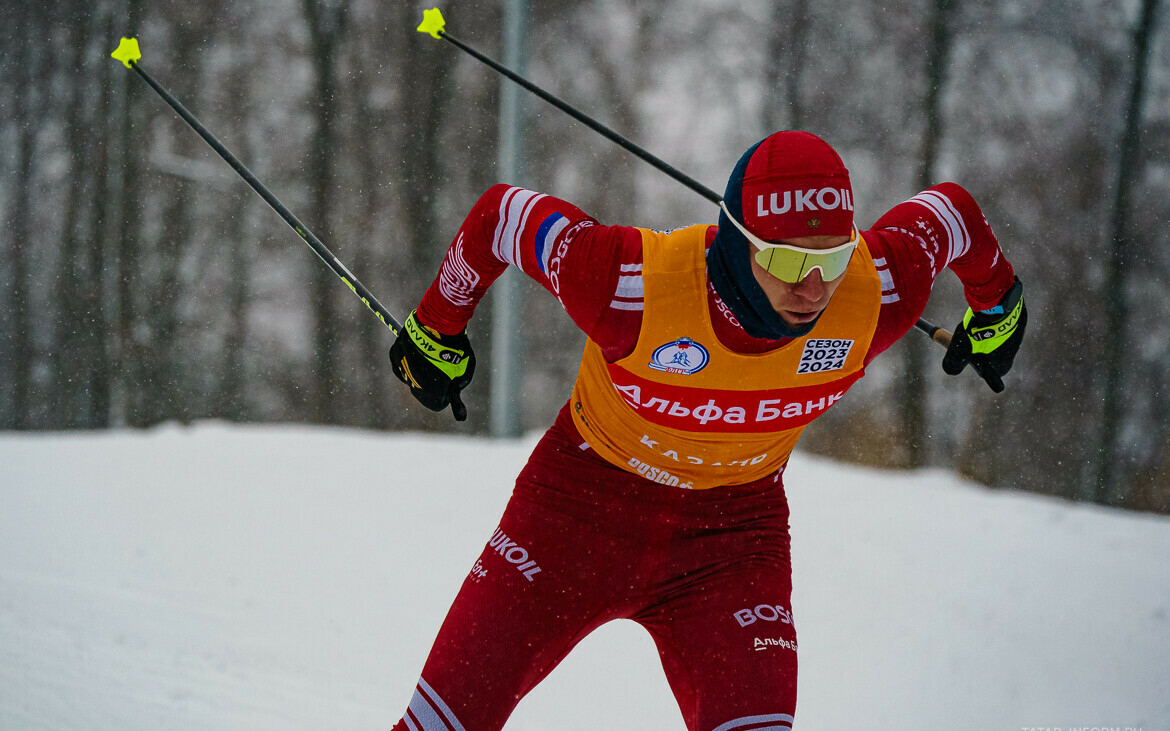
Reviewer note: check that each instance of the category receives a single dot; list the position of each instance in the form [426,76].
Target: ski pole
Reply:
[434,25]
[129,54]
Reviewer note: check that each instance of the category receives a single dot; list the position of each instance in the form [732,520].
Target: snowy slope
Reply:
[225,577]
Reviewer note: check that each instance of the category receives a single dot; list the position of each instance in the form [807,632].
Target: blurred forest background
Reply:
[143,282]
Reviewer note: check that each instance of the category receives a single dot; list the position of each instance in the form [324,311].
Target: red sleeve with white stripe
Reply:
[594,271]
[941,227]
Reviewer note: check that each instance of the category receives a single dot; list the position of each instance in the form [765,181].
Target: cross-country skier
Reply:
[657,494]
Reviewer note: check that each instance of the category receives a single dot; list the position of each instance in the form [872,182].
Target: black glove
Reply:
[989,339]
[435,366]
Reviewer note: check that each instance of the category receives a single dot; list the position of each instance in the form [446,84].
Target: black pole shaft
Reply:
[303,231]
[932,331]
[590,122]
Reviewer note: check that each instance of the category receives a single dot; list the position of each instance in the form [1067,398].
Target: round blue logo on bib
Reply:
[683,356]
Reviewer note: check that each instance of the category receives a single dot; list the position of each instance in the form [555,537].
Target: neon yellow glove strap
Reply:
[987,338]
[451,361]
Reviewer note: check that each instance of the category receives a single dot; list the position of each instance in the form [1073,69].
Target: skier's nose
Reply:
[811,288]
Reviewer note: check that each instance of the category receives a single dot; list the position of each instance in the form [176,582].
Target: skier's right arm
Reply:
[594,271]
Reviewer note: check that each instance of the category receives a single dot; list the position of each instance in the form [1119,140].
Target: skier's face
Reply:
[799,304]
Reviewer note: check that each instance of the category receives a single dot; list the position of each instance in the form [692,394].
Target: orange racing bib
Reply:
[683,410]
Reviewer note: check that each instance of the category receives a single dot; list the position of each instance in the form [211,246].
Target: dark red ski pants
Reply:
[706,572]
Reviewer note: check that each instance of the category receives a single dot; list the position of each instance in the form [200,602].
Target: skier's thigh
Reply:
[729,652]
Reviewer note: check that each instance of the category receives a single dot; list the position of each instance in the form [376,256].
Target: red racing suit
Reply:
[584,541]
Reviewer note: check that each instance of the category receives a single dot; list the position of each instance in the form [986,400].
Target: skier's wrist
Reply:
[435,319]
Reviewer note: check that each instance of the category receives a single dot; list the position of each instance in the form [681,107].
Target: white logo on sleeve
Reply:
[824,355]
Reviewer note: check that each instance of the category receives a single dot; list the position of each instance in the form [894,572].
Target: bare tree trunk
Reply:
[28,103]
[425,73]
[1108,491]
[374,337]
[128,238]
[632,76]
[162,378]
[231,401]
[326,23]
[67,357]
[912,397]
[95,333]
[784,72]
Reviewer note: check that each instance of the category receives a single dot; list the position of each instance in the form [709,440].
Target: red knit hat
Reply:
[794,184]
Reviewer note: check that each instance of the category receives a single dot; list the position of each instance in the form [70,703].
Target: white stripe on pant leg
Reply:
[427,716]
[437,700]
[777,721]
[409,723]
[430,711]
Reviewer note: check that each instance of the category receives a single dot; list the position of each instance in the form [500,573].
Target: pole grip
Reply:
[942,336]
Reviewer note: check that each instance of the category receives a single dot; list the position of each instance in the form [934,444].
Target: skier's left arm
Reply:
[943,228]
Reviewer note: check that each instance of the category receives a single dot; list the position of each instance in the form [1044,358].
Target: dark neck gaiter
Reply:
[731,274]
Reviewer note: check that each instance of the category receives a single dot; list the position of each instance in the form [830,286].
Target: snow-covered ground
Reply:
[224,577]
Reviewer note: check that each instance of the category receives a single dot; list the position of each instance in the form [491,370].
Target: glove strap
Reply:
[451,361]
[987,334]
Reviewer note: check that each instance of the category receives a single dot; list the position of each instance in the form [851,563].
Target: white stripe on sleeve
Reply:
[958,239]
[630,287]
[515,206]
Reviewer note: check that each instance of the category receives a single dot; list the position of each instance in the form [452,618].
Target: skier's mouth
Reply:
[803,318]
